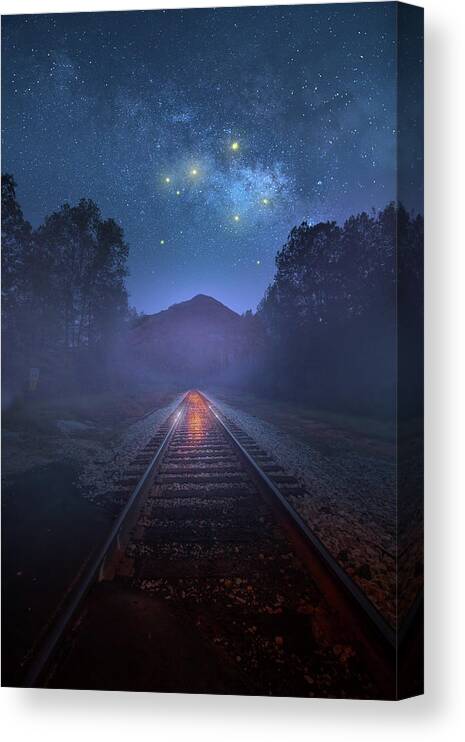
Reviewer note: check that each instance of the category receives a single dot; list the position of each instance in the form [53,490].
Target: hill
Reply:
[194,339]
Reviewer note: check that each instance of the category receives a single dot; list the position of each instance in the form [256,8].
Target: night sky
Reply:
[207,134]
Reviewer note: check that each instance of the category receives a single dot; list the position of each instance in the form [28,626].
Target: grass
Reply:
[325,430]
[109,409]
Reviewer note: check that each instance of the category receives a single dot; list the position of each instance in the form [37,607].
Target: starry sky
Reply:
[207,134]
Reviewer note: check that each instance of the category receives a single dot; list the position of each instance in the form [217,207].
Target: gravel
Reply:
[99,475]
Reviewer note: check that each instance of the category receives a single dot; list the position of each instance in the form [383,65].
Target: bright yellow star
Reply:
[178,193]
[162,242]
[265,201]
[235,146]
[167,180]
[236,217]
[194,171]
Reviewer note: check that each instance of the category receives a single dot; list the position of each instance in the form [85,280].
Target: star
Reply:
[236,217]
[235,146]
[178,193]
[167,180]
[265,201]
[194,171]
[162,242]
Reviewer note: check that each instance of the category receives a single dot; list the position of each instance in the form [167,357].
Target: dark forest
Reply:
[325,330]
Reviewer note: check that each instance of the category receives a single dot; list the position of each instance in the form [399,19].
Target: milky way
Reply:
[208,134]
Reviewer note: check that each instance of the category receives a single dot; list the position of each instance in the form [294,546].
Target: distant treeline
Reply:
[342,316]
[344,312]
[64,301]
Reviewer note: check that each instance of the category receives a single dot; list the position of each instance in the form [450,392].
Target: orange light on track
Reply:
[197,418]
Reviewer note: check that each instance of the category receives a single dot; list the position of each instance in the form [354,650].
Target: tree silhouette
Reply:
[64,299]
[338,309]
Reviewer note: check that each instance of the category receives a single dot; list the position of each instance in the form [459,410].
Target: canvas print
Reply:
[212,353]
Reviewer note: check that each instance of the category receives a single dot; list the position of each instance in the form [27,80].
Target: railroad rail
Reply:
[208,563]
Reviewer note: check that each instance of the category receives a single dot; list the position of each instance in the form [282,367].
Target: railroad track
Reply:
[210,582]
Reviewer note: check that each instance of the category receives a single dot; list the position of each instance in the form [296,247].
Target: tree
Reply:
[87,274]
[331,312]
[16,236]
[64,300]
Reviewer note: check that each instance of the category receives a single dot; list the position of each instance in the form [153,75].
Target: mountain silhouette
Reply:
[192,340]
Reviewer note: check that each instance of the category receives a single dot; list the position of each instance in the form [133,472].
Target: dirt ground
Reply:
[55,458]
